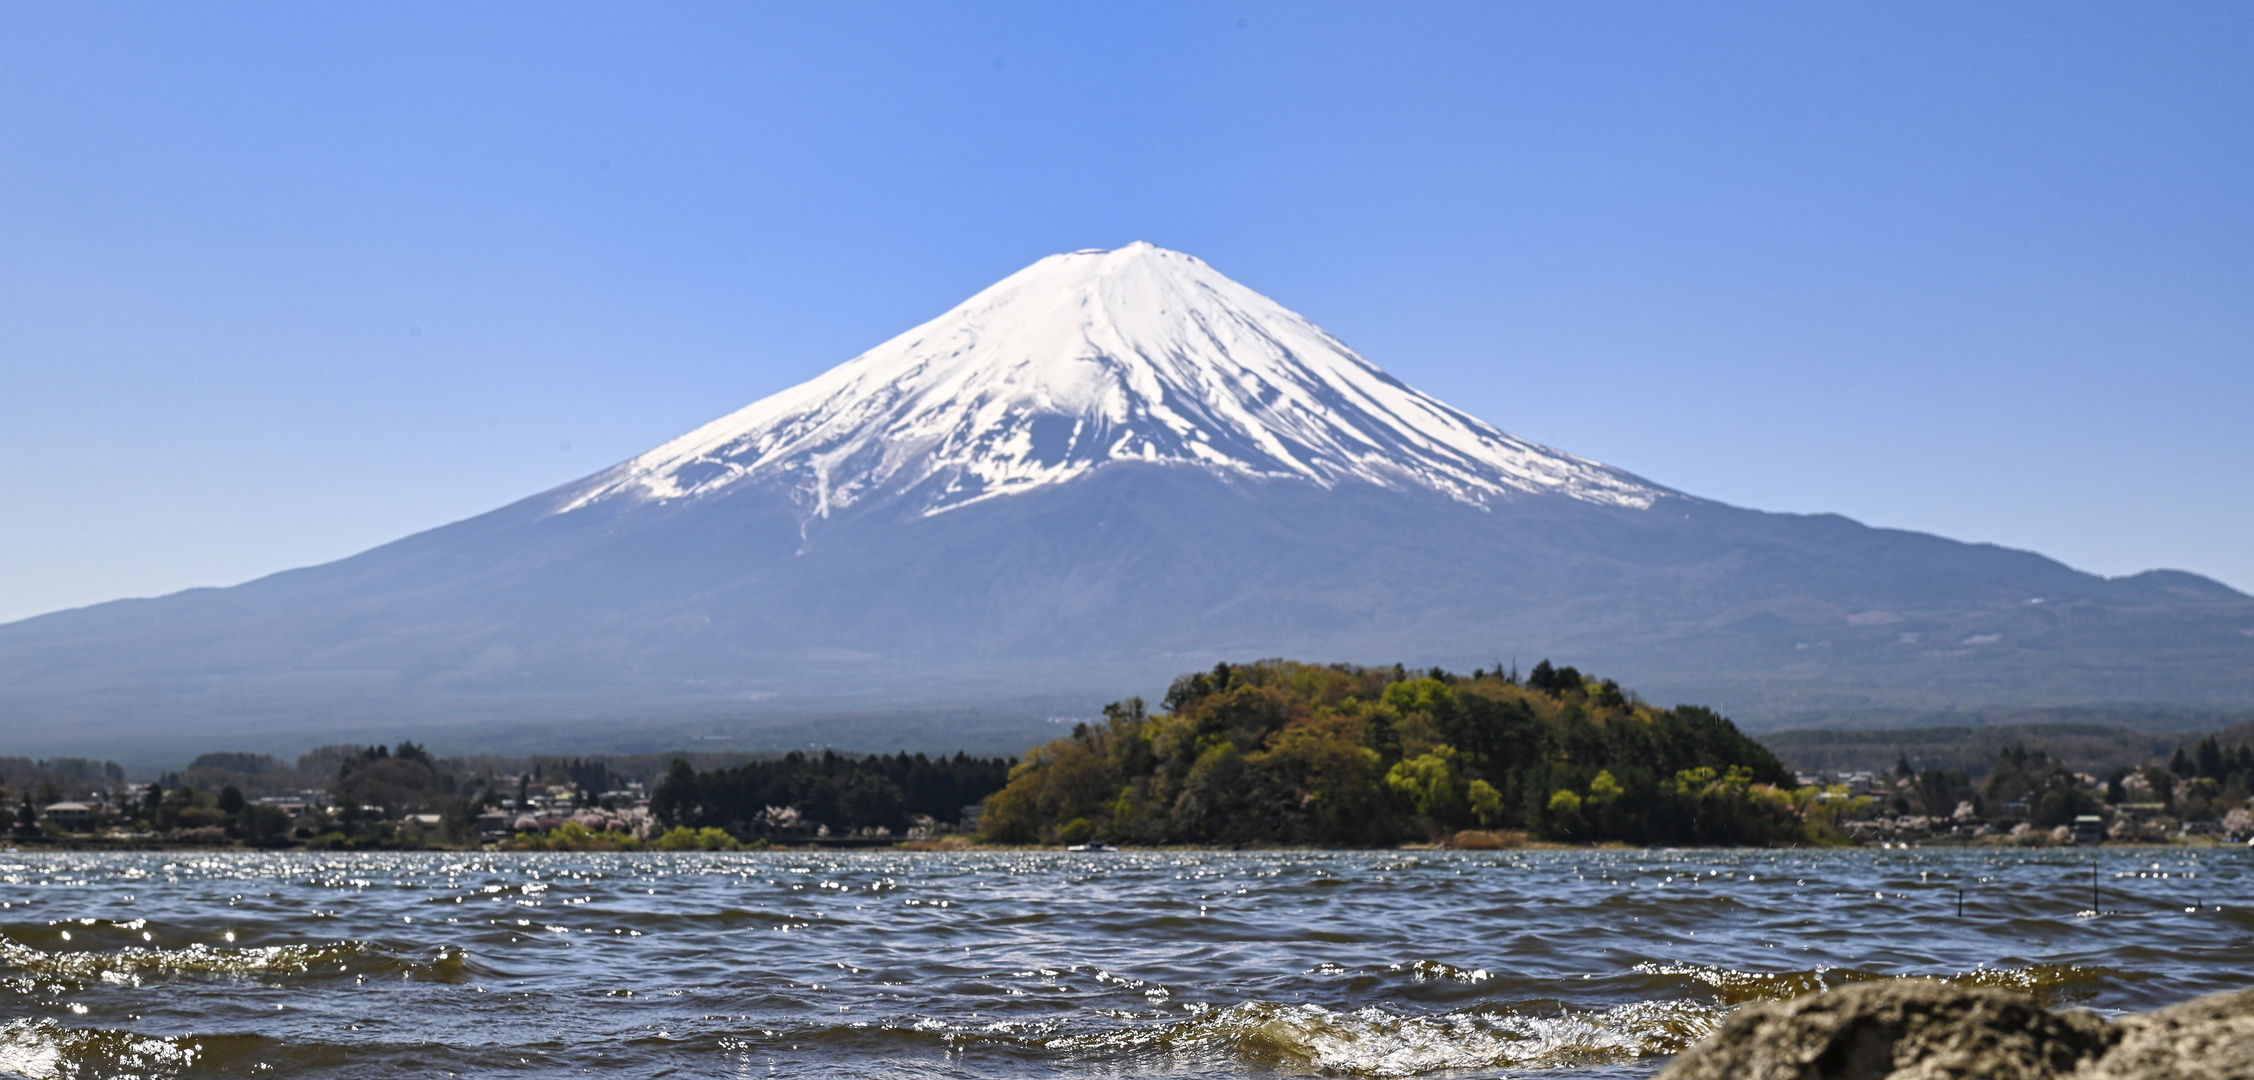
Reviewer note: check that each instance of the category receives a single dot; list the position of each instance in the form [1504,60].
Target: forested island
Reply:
[1280,752]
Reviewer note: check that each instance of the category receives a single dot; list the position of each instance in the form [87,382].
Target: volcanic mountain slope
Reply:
[1106,469]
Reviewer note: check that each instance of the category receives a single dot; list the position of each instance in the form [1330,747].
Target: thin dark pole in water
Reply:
[1960,902]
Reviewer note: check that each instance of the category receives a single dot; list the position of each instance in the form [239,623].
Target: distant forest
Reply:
[1293,753]
[2089,748]
[800,793]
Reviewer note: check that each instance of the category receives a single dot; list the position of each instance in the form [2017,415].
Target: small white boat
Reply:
[1091,847]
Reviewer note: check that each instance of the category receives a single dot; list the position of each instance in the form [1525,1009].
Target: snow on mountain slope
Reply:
[1140,354]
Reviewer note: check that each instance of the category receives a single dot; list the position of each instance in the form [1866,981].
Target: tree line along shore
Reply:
[1274,753]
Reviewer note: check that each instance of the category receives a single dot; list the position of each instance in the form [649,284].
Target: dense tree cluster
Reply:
[589,776]
[401,780]
[2204,779]
[799,793]
[2208,759]
[1285,752]
[191,814]
[50,780]
[2031,786]
[1933,793]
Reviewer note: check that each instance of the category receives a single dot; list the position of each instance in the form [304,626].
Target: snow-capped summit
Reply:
[1094,357]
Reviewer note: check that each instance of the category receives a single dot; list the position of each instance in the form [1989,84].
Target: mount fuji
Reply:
[1105,469]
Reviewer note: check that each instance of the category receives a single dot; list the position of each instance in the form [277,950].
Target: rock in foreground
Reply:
[1916,1029]
[2209,1038]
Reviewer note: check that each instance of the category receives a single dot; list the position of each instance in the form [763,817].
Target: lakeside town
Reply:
[121,815]
[403,797]
[2135,808]
[1434,794]
[181,813]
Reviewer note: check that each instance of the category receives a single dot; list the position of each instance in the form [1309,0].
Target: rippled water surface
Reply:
[988,964]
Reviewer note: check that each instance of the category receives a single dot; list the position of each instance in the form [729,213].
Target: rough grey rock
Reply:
[1910,1029]
[1917,1029]
[2209,1038]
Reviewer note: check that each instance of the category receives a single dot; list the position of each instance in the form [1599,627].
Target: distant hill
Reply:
[2089,748]
[2159,718]
[1107,469]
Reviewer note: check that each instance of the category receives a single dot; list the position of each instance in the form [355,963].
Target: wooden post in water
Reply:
[1960,901]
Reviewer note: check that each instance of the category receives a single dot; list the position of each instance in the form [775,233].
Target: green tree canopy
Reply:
[1287,752]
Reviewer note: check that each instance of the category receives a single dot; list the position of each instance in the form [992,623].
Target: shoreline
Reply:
[19,847]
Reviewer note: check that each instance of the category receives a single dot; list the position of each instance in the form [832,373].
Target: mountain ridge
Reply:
[916,544]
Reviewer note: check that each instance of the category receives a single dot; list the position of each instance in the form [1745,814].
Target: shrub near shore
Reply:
[1280,752]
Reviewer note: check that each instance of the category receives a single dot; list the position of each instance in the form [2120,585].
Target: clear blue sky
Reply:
[282,281]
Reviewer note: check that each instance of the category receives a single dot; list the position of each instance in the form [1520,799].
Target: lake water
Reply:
[995,964]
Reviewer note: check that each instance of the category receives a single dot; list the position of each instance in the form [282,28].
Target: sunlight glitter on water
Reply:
[1559,963]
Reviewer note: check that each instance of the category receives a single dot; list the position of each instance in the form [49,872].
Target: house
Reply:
[70,816]
[2089,829]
